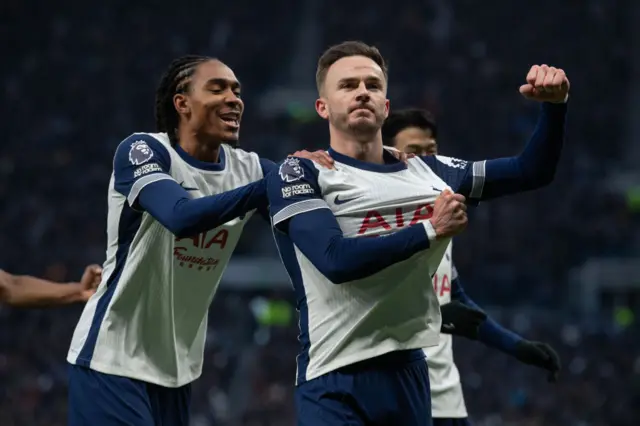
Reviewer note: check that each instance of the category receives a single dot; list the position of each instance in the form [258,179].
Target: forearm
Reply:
[171,205]
[341,259]
[495,336]
[490,332]
[27,291]
[536,166]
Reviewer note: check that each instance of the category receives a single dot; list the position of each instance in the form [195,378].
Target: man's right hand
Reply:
[449,214]
[90,281]
[459,319]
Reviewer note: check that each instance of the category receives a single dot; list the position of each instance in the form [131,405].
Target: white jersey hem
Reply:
[368,354]
[72,358]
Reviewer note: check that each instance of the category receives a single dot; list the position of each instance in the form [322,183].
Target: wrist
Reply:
[562,102]
[518,347]
[75,292]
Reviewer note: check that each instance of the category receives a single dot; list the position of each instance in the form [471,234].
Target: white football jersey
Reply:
[148,319]
[392,310]
[447,400]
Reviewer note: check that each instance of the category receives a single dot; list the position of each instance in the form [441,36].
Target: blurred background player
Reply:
[28,292]
[140,341]
[415,131]
[362,320]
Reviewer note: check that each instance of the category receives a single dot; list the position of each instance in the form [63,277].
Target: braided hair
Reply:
[176,79]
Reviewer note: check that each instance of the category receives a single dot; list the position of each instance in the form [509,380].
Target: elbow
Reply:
[336,273]
[179,221]
[331,262]
[547,178]
[537,177]
[181,231]
[178,225]
[542,179]
[340,278]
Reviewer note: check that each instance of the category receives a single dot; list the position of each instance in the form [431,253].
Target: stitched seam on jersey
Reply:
[142,182]
[478,179]
[297,208]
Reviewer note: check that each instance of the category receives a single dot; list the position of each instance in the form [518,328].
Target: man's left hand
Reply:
[400,155]
[321,157]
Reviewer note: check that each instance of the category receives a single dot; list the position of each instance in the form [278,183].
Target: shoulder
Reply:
[140,148]
[293,169]
[454,163]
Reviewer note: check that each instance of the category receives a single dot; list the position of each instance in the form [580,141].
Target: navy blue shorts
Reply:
[389,390]
[451,422]
[98,399]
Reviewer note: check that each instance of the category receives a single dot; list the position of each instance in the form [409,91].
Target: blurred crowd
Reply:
[79,77]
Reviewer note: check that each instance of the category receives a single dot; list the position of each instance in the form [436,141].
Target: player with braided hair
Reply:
[175,80]
[178,201]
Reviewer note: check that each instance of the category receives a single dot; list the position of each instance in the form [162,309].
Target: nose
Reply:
[232,99]
[362,93]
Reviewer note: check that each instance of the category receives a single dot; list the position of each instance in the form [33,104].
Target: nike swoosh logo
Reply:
[338,201]
[186,188]
[449,327]
[436,189]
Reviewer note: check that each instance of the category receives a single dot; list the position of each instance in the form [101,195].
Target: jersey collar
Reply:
[392,164]
[203,165]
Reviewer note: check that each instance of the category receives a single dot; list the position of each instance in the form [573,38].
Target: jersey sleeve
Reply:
[318,236]
[139,161]
[293,189]
[491,333]
[267,166]
[535,167]
[464,177]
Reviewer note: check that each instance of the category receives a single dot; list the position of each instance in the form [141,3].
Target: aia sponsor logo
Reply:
[376,222]
[191,252]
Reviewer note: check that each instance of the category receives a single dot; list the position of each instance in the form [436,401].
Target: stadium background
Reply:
[559,265]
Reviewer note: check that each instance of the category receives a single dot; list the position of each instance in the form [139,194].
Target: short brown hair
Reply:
[344,50]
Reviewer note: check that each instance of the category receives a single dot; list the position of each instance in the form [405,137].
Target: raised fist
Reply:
[449,214]
[546,84]
[90,281]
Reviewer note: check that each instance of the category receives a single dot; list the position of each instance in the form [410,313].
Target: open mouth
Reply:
[231,118]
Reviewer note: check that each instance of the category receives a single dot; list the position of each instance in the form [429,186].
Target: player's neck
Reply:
[369,150]
[208,152]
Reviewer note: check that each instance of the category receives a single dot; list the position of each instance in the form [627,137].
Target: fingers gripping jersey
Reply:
[447,400]
[148,319]
[391,310]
